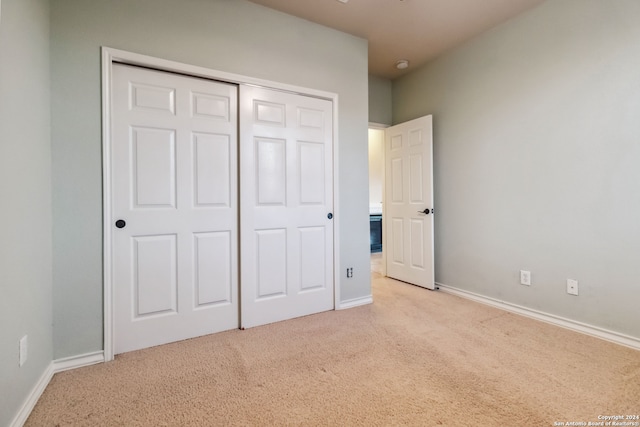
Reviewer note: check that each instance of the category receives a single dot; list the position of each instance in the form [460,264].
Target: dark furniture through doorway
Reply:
[375,236]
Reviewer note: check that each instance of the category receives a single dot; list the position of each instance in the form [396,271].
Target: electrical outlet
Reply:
[572,287]
[525,277]
[23,346]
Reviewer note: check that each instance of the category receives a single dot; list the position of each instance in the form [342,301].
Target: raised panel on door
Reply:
[154,275]
[212,170]
[212,269]
[268,113]
[153,153]
[312,258]
[415,137]
[397,239]
[416,235]
[173,156]
[271,171]
[286,195]
[397,181]
[211,106]
[155,99]
[416,179]
[311,171]
[271,268]
[408,219]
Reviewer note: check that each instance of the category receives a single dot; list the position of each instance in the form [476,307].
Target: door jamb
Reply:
[382,127]
[109,56]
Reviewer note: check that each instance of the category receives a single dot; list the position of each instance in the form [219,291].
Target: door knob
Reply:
[330,215]
[426,211]
[120,223]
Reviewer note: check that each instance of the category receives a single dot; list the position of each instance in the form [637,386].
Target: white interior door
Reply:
[174,187]
[408,207]
[286,176]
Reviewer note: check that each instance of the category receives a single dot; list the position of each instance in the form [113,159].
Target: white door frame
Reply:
[109,56]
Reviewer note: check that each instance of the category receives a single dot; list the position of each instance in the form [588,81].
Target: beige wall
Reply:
[25,192]
[379,100]
[537,147]
[232,36]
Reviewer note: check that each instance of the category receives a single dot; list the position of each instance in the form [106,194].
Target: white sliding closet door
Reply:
[286,179]
[174,207]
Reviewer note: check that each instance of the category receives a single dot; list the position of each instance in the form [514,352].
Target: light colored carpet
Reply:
[414,357]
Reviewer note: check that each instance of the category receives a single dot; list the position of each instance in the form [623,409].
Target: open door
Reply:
[408,207]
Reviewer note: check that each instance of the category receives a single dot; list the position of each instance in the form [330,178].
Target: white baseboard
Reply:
[73,362]
[594,331]
[54,367]
[355,302]
[32,398]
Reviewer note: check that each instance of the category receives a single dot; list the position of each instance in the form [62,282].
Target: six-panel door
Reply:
[174,186]
[287,198]
[408,215]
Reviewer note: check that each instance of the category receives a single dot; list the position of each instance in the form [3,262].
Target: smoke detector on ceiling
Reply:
[402,64]
[343,1]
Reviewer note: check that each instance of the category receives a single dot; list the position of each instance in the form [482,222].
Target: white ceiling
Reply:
[416,30]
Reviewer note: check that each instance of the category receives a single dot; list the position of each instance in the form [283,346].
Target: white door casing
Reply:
[408,207]
[174,182]
[286,176]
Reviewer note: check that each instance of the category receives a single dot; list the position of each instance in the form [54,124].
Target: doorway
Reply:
[408,202]
[401,175]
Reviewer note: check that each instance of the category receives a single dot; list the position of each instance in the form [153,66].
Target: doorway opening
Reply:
[376,196]
[401,199]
